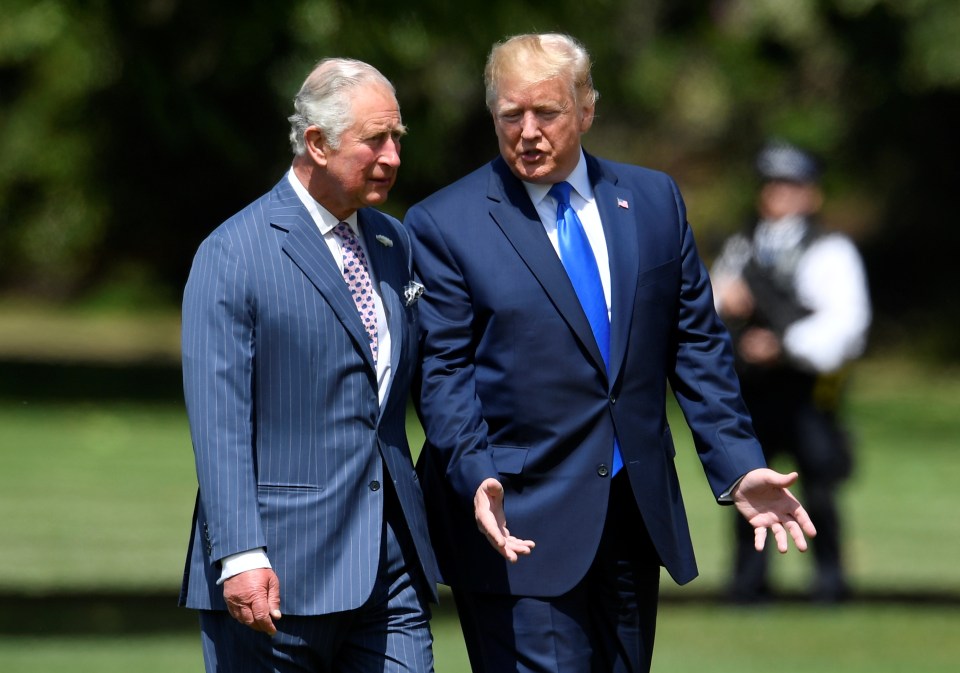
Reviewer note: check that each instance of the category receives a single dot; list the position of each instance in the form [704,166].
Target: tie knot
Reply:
[561,192]
[344,231]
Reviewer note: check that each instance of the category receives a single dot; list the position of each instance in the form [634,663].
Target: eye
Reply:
[378,139]
[548,114]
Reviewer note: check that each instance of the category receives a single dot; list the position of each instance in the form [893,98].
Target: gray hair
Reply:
[538,58]
[324,99]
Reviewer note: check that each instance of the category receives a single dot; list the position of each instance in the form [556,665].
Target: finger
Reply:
[488,526]
[780,535]
[234,612]
[806,523]
[789,479]
[244,615]
[273,597]
[522,547]
[797,534]
[261,619]
[759,538]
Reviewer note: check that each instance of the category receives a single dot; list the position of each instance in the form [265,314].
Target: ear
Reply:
[586,118]
[816,199]
[317,148]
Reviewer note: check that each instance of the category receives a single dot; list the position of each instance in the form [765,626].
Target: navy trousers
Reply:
[606,624]
[390,633]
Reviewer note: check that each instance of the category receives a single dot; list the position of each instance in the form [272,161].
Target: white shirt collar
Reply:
[578,179]
[322,217]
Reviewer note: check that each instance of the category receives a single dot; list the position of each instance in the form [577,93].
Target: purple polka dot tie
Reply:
[358,281]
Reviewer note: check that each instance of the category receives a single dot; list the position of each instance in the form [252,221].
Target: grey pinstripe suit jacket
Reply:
[289,437]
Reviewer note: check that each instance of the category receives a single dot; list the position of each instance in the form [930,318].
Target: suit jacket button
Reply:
[374,485]
[603,470]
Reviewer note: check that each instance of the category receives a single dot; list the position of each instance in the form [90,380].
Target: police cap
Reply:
[779,160]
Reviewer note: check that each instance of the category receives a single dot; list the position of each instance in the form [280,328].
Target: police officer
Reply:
[795,299]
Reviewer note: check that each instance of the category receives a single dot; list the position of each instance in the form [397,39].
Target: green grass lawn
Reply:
[94,495]
[97,495]
[900,535]
[690,639]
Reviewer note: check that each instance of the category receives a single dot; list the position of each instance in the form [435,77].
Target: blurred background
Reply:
[129,130]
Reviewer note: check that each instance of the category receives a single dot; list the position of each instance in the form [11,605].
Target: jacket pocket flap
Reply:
[509,459]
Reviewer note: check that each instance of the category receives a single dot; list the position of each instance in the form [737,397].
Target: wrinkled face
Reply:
[363,169]
[538,127]
[780,198]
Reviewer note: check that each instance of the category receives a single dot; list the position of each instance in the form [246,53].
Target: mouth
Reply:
[531,156]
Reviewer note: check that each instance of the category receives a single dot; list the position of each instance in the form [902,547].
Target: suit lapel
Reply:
[514,213]
[619,216]
[387,263]
[305,246]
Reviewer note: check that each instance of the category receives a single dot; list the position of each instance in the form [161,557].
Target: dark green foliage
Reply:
[128,130]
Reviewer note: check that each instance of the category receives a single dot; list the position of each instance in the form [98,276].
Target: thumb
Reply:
[492,488]
[764,476]
[786,480]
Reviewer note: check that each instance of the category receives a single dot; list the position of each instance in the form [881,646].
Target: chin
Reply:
[376,198]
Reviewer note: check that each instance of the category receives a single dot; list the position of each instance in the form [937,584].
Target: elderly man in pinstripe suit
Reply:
[309,549]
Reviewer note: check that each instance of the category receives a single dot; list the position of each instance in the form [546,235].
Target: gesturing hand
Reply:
[763,500]
[253,599]
[488,510]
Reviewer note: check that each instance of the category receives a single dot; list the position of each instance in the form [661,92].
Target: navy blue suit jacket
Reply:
[514,386]
[289,436]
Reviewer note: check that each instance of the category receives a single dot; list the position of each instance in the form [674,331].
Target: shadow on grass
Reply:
[72,381]
[153,613]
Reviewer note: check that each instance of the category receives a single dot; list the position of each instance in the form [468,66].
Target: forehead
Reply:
[374,105]
[515,90]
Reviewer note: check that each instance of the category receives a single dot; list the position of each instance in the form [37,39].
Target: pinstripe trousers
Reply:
[388,634]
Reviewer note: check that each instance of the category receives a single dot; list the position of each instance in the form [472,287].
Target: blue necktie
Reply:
[581,265]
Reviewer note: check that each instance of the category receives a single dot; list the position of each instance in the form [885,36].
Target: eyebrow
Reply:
[381,129]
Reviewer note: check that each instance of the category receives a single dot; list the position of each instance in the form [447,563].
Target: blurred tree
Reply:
[128,130]
[54,58]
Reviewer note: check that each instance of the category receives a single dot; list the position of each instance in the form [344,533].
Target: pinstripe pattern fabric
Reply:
[389,633]
[289,438]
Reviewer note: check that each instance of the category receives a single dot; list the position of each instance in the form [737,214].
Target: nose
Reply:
[529,125]
[390,154]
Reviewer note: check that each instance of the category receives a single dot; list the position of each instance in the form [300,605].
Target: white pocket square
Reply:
[412,292]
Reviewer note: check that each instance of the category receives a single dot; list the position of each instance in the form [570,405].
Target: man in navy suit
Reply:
[546,417]
[299,344]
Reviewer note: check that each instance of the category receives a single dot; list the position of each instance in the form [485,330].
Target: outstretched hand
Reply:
[763,500]
[488,510]
[253,599]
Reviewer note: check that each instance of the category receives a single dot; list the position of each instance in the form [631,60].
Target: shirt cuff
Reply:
[242,562]
[726,497]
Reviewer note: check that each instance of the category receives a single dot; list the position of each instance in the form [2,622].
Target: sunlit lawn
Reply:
[690,639]
[98,495]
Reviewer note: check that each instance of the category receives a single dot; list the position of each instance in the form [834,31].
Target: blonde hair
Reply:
[539,57]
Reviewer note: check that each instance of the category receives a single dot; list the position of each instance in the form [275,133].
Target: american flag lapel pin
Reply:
[622,203]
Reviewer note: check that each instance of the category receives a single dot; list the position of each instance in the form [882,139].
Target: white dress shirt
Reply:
[584,203]
[325,221]
[830,281]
